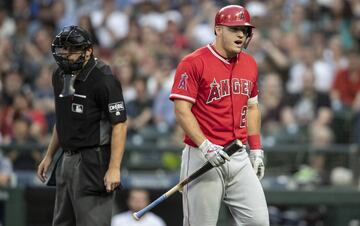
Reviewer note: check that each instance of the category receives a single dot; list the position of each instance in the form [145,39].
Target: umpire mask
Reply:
[71,39]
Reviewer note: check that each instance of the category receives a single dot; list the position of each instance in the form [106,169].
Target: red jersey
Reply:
[219,90]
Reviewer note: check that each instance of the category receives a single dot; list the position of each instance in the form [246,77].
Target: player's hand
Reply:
[43,168]
[112,179]
[214,153]
[257,161]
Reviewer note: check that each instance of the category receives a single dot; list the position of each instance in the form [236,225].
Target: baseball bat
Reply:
[230,149]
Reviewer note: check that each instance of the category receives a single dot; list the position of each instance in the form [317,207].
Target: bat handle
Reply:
[139,214]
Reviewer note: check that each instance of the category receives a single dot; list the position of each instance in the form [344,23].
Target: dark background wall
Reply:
[40,204]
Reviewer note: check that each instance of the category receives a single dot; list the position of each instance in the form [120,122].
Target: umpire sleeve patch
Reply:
[116,107]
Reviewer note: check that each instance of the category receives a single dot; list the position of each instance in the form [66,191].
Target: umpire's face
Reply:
[232,39]
[70,54]
[74,54]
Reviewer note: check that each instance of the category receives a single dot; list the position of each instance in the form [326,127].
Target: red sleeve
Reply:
[185,84]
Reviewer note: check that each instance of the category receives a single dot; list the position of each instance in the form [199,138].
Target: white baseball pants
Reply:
[233,183]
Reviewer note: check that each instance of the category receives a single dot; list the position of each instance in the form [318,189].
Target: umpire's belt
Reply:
[78,150]
[71,152]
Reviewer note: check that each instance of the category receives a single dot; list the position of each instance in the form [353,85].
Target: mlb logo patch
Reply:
[116,107]
[77,108]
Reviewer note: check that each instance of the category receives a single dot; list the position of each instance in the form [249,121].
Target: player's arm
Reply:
[213,153]
[253,119]
[188,122]
[254,125]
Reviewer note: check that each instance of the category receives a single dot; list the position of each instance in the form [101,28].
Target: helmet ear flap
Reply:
[248,39]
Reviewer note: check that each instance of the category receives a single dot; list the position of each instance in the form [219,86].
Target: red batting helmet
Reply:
[233,15]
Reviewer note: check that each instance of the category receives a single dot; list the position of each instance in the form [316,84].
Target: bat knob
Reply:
[135,216]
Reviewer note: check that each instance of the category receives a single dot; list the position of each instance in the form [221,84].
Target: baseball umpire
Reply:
[215,94]
[90,130]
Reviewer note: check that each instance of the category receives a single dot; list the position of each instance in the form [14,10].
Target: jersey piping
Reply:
[179,96]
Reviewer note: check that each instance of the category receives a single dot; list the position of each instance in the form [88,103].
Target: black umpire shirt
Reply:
[85,119]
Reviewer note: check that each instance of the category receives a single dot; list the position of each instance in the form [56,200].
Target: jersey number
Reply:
[243,117]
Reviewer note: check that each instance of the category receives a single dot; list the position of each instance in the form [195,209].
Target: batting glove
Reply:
[214,153]
[257,160]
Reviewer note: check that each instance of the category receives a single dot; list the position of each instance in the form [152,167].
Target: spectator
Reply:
[6,57]
[44,98]
[25,154]
[7,23]
[37,53]
[200,27]
[303,109]
[321,137]
[297,71]
[345,96]
[139,110]
[13,84]
[346,86]
[323,71]
[310,105]
[110,24]
[272,102]
[163,110]
[23,107]
[6,170]
[125,74]
[63,13]
[138,199]
[85,22]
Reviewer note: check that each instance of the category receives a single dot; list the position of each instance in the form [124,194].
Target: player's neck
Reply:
[222,52]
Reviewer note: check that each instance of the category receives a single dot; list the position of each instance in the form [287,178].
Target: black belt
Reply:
[77,151]
[71,152]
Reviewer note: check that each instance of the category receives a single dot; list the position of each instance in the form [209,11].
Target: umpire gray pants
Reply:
[233,183]
[81,197]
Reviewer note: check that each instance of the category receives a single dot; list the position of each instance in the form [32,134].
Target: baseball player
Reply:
[215,95]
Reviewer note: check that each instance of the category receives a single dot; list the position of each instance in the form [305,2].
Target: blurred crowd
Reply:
[308,55]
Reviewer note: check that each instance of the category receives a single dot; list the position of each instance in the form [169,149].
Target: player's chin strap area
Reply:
[247,41]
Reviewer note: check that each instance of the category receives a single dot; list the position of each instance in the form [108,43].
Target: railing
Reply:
[164,161]
[156,167]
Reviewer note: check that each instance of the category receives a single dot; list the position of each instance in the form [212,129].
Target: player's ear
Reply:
[217,29]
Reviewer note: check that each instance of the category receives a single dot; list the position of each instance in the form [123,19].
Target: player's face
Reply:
[233,39]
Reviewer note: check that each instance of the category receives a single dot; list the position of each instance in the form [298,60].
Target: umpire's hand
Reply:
[112,179]
[44,167]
